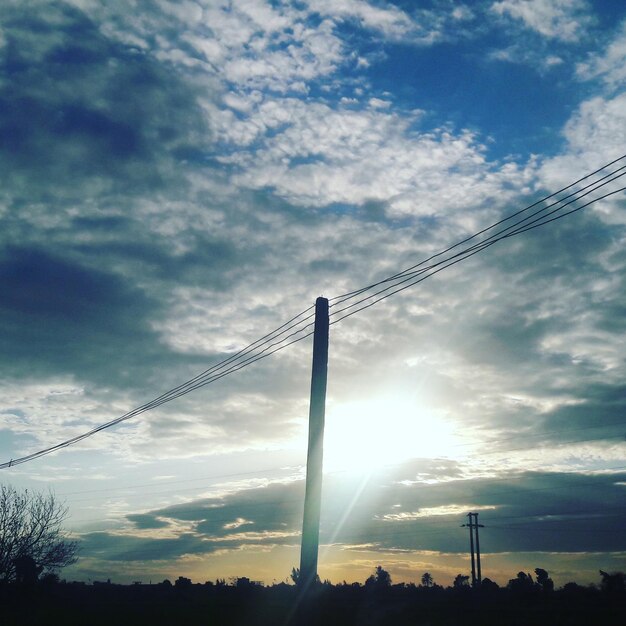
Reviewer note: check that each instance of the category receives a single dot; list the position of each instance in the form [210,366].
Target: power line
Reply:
[224,368]
[446,264]
[492,226]
[407,275]
[270,343]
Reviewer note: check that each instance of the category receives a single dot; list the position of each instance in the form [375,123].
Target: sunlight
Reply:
[368,435]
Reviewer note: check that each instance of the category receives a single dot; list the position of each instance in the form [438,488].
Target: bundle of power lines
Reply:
[566,201]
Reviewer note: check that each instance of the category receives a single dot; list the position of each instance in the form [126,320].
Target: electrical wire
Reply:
[224,368]
[267,345]
[488,228]
[446,264]
[407,276]
[288,325]
[522,226]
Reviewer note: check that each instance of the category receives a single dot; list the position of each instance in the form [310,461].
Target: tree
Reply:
[427,580]
[460,582]
[489,586]
[521,583]
[613,583]
[182,583]
[26,570]
[31,538]
[543,580]
[380,579]
[295,575]
[383,577]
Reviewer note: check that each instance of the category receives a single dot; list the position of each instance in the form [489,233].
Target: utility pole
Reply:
[469,515]
[313,493]
[476,527]
[473,526]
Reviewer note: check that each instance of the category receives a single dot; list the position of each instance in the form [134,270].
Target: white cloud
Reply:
[610,65]
[462,13]
[558,19]
[184,10]
[594,137]
[389,20]
[553,60]
[458,510]
[378,103]
[315,54]
[522,54]
[321,155]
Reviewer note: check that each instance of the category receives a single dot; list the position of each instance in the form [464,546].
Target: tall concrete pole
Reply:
[470,516]
[476,527]
[313,494]
[473,526]
[471,529]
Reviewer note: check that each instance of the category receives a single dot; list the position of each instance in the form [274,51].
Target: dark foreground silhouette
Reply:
[244,602]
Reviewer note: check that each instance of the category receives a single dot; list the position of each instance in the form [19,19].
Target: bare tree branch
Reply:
[30,528]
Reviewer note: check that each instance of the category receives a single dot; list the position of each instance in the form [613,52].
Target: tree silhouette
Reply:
[489,586]
[461,581]
[613,583]
[522,582]
[427,580]
[543,580]
[182,582]
[295,575]
[26,570]
[31,539]
[380,579]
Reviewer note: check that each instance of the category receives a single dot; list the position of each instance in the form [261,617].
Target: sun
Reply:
[367,435]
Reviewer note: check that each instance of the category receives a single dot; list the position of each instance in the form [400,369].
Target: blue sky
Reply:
[179,178]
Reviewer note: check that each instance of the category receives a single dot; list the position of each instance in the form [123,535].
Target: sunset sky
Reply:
[178,179]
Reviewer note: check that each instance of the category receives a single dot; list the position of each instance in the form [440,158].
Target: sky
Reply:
[178,179]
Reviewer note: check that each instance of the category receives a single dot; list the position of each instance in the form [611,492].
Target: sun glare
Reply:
[370,434]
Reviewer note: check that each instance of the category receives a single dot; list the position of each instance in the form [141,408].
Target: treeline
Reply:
[524,600]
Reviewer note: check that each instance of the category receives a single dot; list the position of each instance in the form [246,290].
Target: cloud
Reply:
[565,20]
[536,57]
[53,309]
[249,45]
[319,155]
[609,64]
[521,512]
[546,37]
[391,22]
[73,123]
[592,134]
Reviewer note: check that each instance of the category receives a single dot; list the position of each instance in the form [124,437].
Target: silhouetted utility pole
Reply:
[472,550]
[313,493]
[473,526]
[476,527]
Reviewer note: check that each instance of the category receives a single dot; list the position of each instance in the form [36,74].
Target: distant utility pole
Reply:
[473,526]
[313,493]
